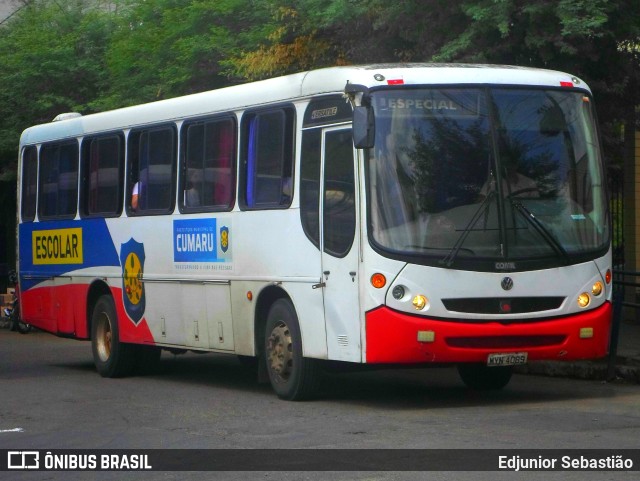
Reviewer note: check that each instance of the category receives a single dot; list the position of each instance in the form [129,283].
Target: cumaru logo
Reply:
[59,246]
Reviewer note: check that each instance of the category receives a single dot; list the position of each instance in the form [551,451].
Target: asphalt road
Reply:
[51,398]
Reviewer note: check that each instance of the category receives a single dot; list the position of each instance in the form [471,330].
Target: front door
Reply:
[340,244]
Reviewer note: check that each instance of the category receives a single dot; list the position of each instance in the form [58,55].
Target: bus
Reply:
[383,215]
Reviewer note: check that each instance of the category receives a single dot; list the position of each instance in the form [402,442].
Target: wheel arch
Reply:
[266,298]
[97,289]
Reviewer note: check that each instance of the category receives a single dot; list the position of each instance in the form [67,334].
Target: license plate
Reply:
[507,359]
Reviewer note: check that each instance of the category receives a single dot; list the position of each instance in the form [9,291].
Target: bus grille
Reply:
[494,305]
[502,342]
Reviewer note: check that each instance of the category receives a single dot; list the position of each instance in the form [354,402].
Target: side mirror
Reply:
[364,128]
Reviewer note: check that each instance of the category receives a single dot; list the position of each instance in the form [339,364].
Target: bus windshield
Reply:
[462,176]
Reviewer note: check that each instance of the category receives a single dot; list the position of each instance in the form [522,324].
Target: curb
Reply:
[626,369]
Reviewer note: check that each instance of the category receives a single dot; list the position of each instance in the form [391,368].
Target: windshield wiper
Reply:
[541,229]
[453,253]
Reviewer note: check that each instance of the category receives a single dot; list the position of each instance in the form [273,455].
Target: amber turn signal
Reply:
[378,280]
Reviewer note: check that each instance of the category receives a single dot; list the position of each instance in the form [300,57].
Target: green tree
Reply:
[595,39]
[317,33]
[51,61]
[166,48]
[598,40]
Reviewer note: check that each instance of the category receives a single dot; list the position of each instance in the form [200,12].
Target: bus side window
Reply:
[102,170]
[339,210]
[208,165]
[267,174]
[152,170]
[310,184]
[58,192]
[29,183]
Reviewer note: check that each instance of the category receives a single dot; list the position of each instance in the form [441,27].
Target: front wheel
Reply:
[484,378]
[111,357]
[293,377]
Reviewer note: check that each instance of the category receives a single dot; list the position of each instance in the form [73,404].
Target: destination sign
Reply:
[429,103]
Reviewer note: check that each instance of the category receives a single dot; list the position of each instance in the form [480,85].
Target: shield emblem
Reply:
[224,238]
[132,262]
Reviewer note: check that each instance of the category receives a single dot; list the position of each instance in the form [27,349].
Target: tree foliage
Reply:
[598,40]
[291,46]
[166,48]
[51,61]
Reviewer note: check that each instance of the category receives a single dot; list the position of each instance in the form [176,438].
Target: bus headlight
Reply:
[596,290]
[420,302]
[584,299]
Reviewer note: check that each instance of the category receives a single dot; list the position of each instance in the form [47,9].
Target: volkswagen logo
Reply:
[507,283]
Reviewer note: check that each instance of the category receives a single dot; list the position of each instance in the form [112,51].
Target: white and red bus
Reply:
[383,214]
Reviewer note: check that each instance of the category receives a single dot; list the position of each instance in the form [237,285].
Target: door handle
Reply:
[322,284]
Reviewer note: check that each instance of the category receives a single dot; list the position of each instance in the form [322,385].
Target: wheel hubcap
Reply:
[103,338]
[280,351]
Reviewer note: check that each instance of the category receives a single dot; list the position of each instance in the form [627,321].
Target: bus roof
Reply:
[291,87]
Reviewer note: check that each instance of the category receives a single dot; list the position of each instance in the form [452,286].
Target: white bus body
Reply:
[264,232]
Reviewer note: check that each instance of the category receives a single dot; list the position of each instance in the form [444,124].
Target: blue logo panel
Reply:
[201,240]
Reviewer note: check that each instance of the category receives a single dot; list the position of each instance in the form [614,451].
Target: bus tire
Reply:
[111,357]
[292,376]
[484,378]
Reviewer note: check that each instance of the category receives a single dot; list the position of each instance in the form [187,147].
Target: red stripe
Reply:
[63,310]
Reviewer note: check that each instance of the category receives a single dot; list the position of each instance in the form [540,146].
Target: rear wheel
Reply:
[484,378]
[112,358]
[293,377]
